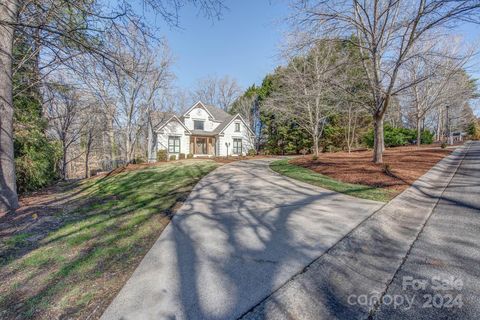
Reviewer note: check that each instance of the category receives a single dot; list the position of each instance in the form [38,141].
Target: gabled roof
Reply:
[174,117]
[214,112]
[224,124]
[217,113]
[227,122]
[159,118]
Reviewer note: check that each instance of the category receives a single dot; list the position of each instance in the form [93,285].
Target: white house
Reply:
[204,130]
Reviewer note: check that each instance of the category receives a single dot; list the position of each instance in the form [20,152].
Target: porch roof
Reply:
[203,133]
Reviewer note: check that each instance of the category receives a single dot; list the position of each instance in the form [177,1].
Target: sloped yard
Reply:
[70,248]
[355,174]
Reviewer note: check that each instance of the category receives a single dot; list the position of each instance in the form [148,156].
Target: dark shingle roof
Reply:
[217,113]
[222,125]
[159,118]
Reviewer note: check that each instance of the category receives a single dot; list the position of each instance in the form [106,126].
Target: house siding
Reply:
[199,113]
[176,128]
[173,128]
[229,134]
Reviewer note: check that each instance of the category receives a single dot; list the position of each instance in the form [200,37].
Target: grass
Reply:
[77,269]
[306,175]
[18,239]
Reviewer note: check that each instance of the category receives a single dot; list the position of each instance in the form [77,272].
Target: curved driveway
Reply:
[242,233]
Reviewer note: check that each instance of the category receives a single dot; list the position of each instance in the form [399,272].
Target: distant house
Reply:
[204,130]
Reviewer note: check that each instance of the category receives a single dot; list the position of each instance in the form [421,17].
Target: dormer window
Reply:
[237,126]
[198,125]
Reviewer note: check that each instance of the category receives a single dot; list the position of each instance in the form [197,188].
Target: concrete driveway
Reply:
[415,258]
[243,232]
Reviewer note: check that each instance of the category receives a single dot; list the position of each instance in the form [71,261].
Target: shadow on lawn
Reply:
[112,223]
[211,284]
[232,245]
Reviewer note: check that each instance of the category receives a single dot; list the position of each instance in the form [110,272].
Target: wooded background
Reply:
[84,83]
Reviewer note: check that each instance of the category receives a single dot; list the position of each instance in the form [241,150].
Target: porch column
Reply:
[194,144]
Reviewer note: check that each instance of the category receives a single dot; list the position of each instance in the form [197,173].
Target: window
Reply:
[237,146]
[198,125]
[174,144]
[237,126]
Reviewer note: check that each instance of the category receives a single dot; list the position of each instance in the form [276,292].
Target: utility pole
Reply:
[448,125]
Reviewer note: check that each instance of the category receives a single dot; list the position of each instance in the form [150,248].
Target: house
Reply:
[204,130]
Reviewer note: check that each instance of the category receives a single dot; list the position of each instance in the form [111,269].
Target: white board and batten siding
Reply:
[199,113]
[183,128]
[173,128]
[229,134]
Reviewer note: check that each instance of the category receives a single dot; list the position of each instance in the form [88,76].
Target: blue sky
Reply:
[243,44]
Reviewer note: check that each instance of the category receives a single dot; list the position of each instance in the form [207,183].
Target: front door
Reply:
[201,146]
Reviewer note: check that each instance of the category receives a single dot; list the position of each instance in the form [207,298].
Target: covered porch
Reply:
[202,145]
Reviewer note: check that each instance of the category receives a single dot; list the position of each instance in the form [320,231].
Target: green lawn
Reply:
[78,267]
[306,175]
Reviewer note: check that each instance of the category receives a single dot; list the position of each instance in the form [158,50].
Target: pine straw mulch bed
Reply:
[402,166]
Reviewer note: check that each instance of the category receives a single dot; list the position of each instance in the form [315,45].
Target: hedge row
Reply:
[395,137]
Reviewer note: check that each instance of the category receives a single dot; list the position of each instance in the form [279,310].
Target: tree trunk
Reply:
[111,136]
[8,184]
[127,145]
[378,141]
[438,136]
[64,165]
[419,133]
[87,158]
[315,146]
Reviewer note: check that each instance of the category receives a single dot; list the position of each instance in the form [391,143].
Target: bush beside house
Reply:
[162,155]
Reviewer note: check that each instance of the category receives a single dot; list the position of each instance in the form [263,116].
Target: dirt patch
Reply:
[401,167]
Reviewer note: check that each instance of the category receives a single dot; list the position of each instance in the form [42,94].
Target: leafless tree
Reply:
[171,102]
[94,119]
[63,110]
[144,74]
[436,81]
[352,118]
[385,33]
[249,108]
[307,91]
[244,106]
[59,31]
[220,92]
[451,111]
[130,89]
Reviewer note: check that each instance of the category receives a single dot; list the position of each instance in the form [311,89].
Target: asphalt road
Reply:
[418,257]
[441,274]
[243,232]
